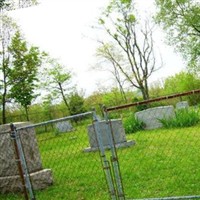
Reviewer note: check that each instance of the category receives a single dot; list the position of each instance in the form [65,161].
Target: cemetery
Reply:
[56,160]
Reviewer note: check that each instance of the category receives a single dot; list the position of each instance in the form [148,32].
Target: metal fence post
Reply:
[105,162]
[22,165]
[114,158]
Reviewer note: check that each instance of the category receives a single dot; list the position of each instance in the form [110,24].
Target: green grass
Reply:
[183,118]
[163,163]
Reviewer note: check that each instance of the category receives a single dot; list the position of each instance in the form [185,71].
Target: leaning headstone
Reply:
[118,133]
[64,126]
[151,117]
[9,175]
[182,105]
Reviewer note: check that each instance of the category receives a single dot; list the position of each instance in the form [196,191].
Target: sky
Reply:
[63,28]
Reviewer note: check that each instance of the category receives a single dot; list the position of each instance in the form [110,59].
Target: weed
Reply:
[132,125]
[183,118]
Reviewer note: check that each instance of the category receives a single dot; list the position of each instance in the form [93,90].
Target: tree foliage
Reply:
[13,4]
[22,76]
[7,31]
[180,20]
[76,103]
[181,82]
[57,79]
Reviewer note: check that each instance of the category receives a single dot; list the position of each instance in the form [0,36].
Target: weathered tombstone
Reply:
[64,126]
[182,105]
[9,175]
[150,117]
[118,133]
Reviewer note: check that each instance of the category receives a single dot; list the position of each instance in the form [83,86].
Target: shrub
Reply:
[132,125]
[183,118]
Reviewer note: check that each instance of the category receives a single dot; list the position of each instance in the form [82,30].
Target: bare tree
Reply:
[136,45]
[108,53]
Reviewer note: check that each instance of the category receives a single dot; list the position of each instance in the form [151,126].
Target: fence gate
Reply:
[56,160]
[163,162]
[104,136]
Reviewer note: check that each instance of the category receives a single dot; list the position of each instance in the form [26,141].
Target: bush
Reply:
[183,118]
[132,125]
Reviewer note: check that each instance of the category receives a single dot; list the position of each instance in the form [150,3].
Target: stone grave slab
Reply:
[64,126]
[118,132]
[182,105]
[9,175]
[150,117]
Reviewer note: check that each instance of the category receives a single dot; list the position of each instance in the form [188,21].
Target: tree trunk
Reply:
[4,108]
[27,114]
[4,95]
[64,99]
[145,93]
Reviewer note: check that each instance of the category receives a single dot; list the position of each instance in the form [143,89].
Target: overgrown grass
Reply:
[164,162]
[183,118]
[132,125]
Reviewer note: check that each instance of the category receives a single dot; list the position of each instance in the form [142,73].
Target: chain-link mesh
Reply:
[164,160]
[60,161]
[146,150]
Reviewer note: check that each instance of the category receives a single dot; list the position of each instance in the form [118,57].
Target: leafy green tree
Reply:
[181,82]
[180,21]
[7,31]
[23,73]
[12,4]
[2,3]
[76,103]
[57,79]
[134,43]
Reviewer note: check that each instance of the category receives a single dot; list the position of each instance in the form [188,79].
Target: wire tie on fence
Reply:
[12,135]
[114,159]
[106,167]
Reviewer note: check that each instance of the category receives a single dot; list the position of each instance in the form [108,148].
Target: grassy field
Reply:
[163,163]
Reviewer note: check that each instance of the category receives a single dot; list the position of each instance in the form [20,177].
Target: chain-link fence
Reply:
[59,162]
[146,150]
[163,160]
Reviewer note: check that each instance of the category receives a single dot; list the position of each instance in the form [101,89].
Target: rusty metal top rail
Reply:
[152,100]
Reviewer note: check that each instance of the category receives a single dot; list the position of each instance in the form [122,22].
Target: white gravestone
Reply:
[150,117]
[64,126]
[182,105]
[118,133]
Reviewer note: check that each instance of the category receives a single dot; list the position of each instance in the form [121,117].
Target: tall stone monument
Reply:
[9,175]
